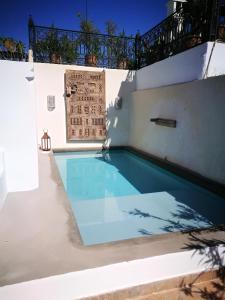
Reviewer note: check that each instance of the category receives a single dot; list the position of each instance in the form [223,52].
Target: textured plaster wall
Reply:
[198,142]
[49,80]
[18,125]
[203,61]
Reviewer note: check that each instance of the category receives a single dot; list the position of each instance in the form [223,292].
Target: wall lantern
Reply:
[45,142]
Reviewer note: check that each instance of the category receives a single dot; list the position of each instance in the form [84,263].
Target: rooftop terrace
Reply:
[169,107]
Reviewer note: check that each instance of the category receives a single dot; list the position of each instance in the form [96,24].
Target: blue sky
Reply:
[130,15]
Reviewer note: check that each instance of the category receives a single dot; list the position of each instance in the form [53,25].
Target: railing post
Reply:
[30,55]
[137,50]
[32,37]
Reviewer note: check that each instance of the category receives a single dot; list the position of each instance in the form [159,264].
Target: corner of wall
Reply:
[215,64]
[206,60]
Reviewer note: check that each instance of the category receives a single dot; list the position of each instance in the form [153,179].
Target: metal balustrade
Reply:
[196,22]
[53,45]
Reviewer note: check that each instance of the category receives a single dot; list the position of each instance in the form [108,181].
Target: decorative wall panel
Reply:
[85,105]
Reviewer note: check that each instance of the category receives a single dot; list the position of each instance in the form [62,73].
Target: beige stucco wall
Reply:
[198,142]
[49,80]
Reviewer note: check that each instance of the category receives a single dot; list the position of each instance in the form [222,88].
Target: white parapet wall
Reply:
[215,60]
[3,188]
[18,125]
[49,80]
[198,63]
[197,142]
[106,279]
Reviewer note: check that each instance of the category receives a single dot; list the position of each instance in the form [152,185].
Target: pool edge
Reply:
[186,173]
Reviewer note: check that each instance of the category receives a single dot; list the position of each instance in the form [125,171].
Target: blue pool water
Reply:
[117,195]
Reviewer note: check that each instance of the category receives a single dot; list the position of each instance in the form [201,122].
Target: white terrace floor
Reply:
[42,239]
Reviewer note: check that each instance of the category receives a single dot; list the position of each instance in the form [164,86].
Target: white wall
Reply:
[3,189]
[18,125]
[49,80]
[192,64]
[172,6]
[215,64]
[198,142]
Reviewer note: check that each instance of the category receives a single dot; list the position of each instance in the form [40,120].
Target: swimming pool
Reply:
[117,195]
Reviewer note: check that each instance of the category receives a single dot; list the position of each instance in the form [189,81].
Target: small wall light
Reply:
[45,141]
[118,102]
[51,103]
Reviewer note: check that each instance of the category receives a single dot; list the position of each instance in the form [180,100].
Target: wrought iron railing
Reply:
[53,45]
[198,21]
[186,28]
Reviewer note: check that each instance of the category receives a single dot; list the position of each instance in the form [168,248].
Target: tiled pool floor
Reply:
[39,237]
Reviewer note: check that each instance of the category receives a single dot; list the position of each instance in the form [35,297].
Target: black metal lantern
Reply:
[45,142]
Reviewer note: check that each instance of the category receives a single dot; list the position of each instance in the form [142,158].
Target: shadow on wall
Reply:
[117,118]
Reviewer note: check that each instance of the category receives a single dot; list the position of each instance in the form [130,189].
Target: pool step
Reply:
[126,217]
